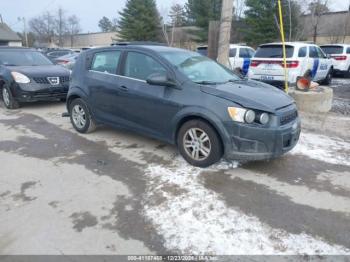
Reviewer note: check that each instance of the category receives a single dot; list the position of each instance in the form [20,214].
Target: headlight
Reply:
[264,118]
[20,78]
[249,116]
[241,114]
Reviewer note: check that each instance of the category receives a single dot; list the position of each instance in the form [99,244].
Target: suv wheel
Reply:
[80,116]
[199,144]
[8,99]
[328,80]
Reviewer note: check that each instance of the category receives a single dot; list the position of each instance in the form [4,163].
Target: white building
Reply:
[8,37]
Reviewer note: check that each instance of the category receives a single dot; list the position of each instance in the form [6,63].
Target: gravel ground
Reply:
[341,101]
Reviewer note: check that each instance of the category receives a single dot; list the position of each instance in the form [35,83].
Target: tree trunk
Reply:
[225,32]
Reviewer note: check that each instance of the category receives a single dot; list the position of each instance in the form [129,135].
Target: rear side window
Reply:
[302,52]
[141,66]
[106,62]
[313,52]
[320,53]
[348,50]
[273,51]
[244,53]
[332,49]
[233,52]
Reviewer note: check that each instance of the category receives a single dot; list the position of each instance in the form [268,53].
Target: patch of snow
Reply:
[197,221]
[328,149]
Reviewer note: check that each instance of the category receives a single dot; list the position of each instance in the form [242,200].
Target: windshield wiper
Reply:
[206,83]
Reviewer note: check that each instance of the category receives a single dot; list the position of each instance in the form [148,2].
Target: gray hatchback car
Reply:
[182,98]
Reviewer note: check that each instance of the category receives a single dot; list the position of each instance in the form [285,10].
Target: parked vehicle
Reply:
[67,61]
[203,50]
[267,64]
[240,57]
[340,55]
[26,75]
[182,98]
[53,54]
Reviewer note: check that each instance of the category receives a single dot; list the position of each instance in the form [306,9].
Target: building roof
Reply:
[6,34]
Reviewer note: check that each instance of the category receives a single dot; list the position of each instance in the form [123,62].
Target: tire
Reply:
[81,117]
[9,101]
[347,73]
[199,143]
[328,80]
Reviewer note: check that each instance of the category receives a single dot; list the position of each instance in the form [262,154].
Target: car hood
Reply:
[251,94]
[41,71]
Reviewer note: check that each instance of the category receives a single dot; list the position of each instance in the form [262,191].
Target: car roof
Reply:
[154,48]
[17,48]
[240,46]
[335,45]
[296,44]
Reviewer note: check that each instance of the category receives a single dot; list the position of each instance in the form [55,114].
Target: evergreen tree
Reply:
[177,15]
[200,12]
[105,24]
[140,21]
[260,18]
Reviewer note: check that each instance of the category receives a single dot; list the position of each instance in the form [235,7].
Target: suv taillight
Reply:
[339,57]
[254,63]
[291,64]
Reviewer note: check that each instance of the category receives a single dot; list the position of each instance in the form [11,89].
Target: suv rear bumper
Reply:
[258,143]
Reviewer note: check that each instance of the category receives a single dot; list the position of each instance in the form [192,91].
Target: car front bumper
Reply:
[33,93]
[258,143]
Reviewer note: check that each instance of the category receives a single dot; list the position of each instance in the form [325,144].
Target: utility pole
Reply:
[24,29]
[225,32]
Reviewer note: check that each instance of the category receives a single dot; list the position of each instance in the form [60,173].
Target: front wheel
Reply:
[8,99]
[199,143]
[80,116]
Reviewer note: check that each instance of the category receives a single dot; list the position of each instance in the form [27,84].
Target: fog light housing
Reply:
[264,118]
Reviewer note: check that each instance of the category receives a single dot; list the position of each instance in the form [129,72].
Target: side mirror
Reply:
[159,79]
[328,56]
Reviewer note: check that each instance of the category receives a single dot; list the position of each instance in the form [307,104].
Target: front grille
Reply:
[44,80]
[289,117]
[41,80]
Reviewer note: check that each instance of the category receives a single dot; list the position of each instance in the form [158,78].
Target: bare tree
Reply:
[73,27]
[61,25]
[43,26]
[317,8]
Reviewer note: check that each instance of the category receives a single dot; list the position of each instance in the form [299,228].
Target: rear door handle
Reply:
[123,88]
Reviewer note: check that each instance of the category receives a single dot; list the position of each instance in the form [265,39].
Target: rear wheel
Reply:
[328,80]
[9,100]
[199,143]
[80,116]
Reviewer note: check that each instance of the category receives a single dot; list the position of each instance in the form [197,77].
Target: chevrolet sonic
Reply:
[182,98]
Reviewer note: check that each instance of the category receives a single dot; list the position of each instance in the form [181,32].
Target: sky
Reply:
[89,11]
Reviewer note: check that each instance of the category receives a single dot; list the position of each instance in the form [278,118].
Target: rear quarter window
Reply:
[302,51]
[233,52]
[274,51]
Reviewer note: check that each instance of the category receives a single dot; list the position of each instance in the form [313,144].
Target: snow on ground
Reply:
[194,220]
[328,149]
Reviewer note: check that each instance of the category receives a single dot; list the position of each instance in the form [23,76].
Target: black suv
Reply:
[26,75]
[183,98]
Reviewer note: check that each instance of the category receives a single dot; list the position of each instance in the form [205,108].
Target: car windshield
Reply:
[273,51]
[198,68]
[332,49]
[23,58]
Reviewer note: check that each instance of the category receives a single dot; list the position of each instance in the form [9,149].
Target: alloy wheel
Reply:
[197,144]
[6,96]
[79,116]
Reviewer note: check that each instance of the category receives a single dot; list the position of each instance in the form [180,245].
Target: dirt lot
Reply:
[111,192]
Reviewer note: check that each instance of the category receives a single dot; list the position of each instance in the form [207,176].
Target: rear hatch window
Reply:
[273,51]
[332,49]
